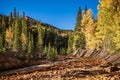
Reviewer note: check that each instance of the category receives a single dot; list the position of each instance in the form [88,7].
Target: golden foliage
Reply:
[89,29]
[9,36]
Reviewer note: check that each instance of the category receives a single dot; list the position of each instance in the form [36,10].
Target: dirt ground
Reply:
[88,68]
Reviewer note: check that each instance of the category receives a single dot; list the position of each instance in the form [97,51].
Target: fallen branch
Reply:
[34,68]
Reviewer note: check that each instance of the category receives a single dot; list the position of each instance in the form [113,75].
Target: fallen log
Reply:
[34,68]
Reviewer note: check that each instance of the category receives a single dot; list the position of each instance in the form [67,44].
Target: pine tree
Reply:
[15,13]
[30,45]
[10,19]
[79,37]
[78,20]
[1,44]
[45,51]
[17,35]
[63,51]
[23,15]
[40,40]
[45,41]
[2,34]
[51,53]
[24,35]
[85,10]
[70,44]
[3,31]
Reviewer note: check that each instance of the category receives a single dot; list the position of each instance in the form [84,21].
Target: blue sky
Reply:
[60,13]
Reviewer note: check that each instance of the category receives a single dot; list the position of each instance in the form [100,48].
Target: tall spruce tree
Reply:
[85,10]
[17,35]
[10,19]
[78,20]
[1,44]
[24,35]
[79,37]
[30,45]
[40,37]
[3,31]
[70,44]
[15,13]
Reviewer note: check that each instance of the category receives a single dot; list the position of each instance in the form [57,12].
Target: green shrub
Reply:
[2,50]
[45,51]
[63,51]
[51,53]
[22,56]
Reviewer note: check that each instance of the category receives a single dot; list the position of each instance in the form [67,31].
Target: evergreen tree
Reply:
[3,31]
[70,44]
[17,35]
[45,43]
[79,37]
[1,44]
[78,20]
[85,10]
[24,35]
[45,51]
[10,19]
[30,45]
[23,15]
[63,51]
[15,13]
[51,53]
[40,40]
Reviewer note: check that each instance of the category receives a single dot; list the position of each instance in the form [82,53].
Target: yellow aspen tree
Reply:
[9,37]
[106,24]
[89,29]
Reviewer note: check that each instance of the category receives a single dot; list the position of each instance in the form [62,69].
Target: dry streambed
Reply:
[89,68]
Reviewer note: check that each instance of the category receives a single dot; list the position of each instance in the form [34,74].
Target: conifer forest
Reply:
[33,50]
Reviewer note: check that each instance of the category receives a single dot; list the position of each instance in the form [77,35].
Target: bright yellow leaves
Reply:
[89,29]
[9,36]
[108,25]
[106,3]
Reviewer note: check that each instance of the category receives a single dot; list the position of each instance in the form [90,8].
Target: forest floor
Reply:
[87,68]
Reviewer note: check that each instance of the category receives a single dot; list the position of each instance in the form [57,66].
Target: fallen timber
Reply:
[30,69]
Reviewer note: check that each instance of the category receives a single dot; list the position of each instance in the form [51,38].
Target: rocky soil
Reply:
[79,68]
[80,65]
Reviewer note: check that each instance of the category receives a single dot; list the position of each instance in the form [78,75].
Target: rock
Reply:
[114,68]
[74,53]
[111,69]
